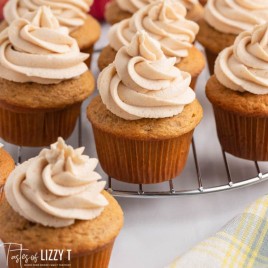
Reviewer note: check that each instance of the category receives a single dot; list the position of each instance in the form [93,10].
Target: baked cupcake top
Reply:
[57,187]
[243,66]
[133,6]
[164,21]
[70,13]
[6,165]
[143,83]
[233,17]
[37,49]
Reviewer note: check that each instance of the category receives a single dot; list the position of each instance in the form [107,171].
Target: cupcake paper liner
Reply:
[89,51]
[211,58]
[193,82]
[242,136]
[37,127]
[1,193]
[142,161]
[96,259]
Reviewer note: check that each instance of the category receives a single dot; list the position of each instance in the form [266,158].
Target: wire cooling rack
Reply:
[168,189]
[198,178]
[173,192]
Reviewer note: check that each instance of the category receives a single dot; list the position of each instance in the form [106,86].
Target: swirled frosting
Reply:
[143,83]
[70,13]
[244,66]
[236,16]
[164,21]
[39,51]
[189,4]
[57,187]
[134,5]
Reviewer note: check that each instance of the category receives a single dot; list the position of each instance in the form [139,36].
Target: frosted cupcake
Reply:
[72,14]
[164,21]
[144,118]
[43,80]
[56,201]
[239,94]
[118,10]
[224,20]
[6,166]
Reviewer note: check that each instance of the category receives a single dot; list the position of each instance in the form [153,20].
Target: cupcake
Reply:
[6,166]
[224,20]
[55,202]
[118,10]
[144,118]
[71,14]
[164,21]
[43,80]
[239,94]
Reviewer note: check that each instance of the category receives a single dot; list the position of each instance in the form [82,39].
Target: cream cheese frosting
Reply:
[70,13]
[164,21]
[37,49]
[243,66]
[143,83]
[134,5]
[57,187]
[235,16]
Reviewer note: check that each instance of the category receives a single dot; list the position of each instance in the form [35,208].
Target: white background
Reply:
[158,230]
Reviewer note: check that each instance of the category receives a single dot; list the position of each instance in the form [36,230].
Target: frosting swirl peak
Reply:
[236,16]
[243,66]
[143,83]
[57,187]
[39,51]
[164,21]
[70,13]
[133,6]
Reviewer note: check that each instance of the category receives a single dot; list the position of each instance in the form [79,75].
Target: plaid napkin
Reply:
[243,242]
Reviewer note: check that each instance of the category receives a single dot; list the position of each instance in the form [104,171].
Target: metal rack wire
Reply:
[170,190]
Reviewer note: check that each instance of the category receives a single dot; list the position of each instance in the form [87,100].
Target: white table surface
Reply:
[158,230]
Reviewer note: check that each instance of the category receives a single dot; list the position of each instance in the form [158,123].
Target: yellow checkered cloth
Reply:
[243,242]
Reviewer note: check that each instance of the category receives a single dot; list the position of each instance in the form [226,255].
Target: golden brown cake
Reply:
[6,166]
[87,35]
[3,25]
[114,14]
[175,41]
[43,210]
[144,129]
[143,151]
[42,83]
[144,120]
[83,27]
[239,94]
[242,120]
[213,41]
[223,21]
[91,242]
[193,64]
[49,111]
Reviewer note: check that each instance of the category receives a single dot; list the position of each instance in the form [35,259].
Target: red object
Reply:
[97,9]
[2,3]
